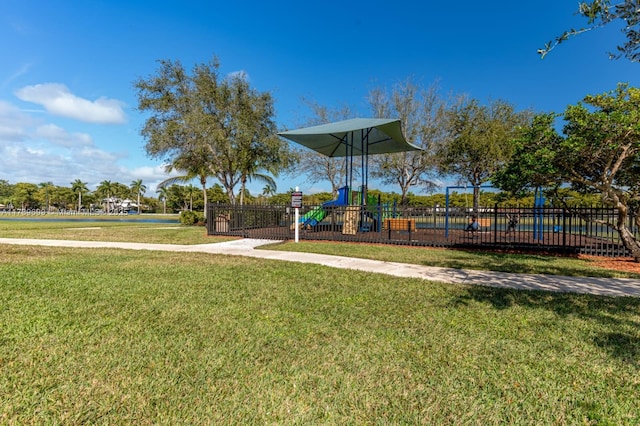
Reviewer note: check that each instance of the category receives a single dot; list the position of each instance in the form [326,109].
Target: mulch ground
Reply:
[624,264]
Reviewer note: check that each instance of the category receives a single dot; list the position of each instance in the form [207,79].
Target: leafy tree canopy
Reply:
[203,117]
[599,153]
[480,141]
[600,13]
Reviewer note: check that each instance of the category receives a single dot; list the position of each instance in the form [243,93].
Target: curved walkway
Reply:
[247,247]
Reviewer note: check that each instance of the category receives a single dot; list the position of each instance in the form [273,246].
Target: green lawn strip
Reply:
[154,233]
[121,337]
[460,259]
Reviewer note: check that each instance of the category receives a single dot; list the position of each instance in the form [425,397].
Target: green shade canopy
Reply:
[355,137]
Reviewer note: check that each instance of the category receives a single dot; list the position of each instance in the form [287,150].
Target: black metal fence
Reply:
[581,230]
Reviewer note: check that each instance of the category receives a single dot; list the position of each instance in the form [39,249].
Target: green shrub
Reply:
[191,218]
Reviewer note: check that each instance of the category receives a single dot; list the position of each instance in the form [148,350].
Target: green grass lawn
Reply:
[108,230]
[118,231]
[125,337]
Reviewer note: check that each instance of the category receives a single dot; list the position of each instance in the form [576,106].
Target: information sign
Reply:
[296,199]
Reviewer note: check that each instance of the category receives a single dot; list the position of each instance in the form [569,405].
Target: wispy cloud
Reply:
[18,73]
[57,99]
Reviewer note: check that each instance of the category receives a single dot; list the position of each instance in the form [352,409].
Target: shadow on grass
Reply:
[623,346]
[530,264]
[617,319]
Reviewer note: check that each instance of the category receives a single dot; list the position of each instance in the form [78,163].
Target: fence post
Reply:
[495,223]
[564,228]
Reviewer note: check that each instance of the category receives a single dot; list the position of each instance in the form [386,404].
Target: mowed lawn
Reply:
[125,337]
[107,229]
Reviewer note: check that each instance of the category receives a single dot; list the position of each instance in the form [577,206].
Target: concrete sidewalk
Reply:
[247,247]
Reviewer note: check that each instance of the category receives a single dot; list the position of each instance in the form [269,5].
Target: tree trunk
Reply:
[629,240]
[203,182]
[243,183]
[476,199]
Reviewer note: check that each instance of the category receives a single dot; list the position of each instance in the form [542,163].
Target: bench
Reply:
[400,224]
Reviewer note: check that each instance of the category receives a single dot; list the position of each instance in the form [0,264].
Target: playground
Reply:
[357,216]
[545,229]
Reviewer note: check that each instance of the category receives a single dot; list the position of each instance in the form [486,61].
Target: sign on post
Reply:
[296,203]
[296,199]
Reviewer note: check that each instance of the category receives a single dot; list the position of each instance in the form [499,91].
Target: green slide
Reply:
[313,217]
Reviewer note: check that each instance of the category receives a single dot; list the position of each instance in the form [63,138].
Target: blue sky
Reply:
[67,104]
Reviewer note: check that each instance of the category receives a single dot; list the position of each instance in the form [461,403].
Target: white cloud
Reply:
[35,151]
[58,100]
[13,123]
[58,136]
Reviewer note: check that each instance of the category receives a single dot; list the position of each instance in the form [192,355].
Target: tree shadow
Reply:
[530,263]
[623,346]
[619,316]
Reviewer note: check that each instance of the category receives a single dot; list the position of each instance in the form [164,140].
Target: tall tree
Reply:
[258,151]
[421,112]
[179,197]
[599,153]
[6,191]
[190,191]
[202,112]
[162,196]
[138,188]
[533,164]
[480,141]
[24,194]
[79,187]
[61,197]
[600,13]
[46,188]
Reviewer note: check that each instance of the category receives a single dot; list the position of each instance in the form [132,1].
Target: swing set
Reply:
[482,222]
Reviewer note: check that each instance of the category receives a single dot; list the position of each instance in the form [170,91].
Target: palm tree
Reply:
[191,165]
[46,186]
[162,196]
[190,190]
[254,175]
[138,188]
[268,190]
[105,188]
[79,187]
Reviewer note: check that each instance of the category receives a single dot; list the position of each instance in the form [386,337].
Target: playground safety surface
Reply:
[248,247]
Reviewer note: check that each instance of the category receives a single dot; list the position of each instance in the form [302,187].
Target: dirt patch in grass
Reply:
[624,264]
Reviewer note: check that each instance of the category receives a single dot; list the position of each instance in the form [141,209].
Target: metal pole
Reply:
[446,213]
[297,222]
